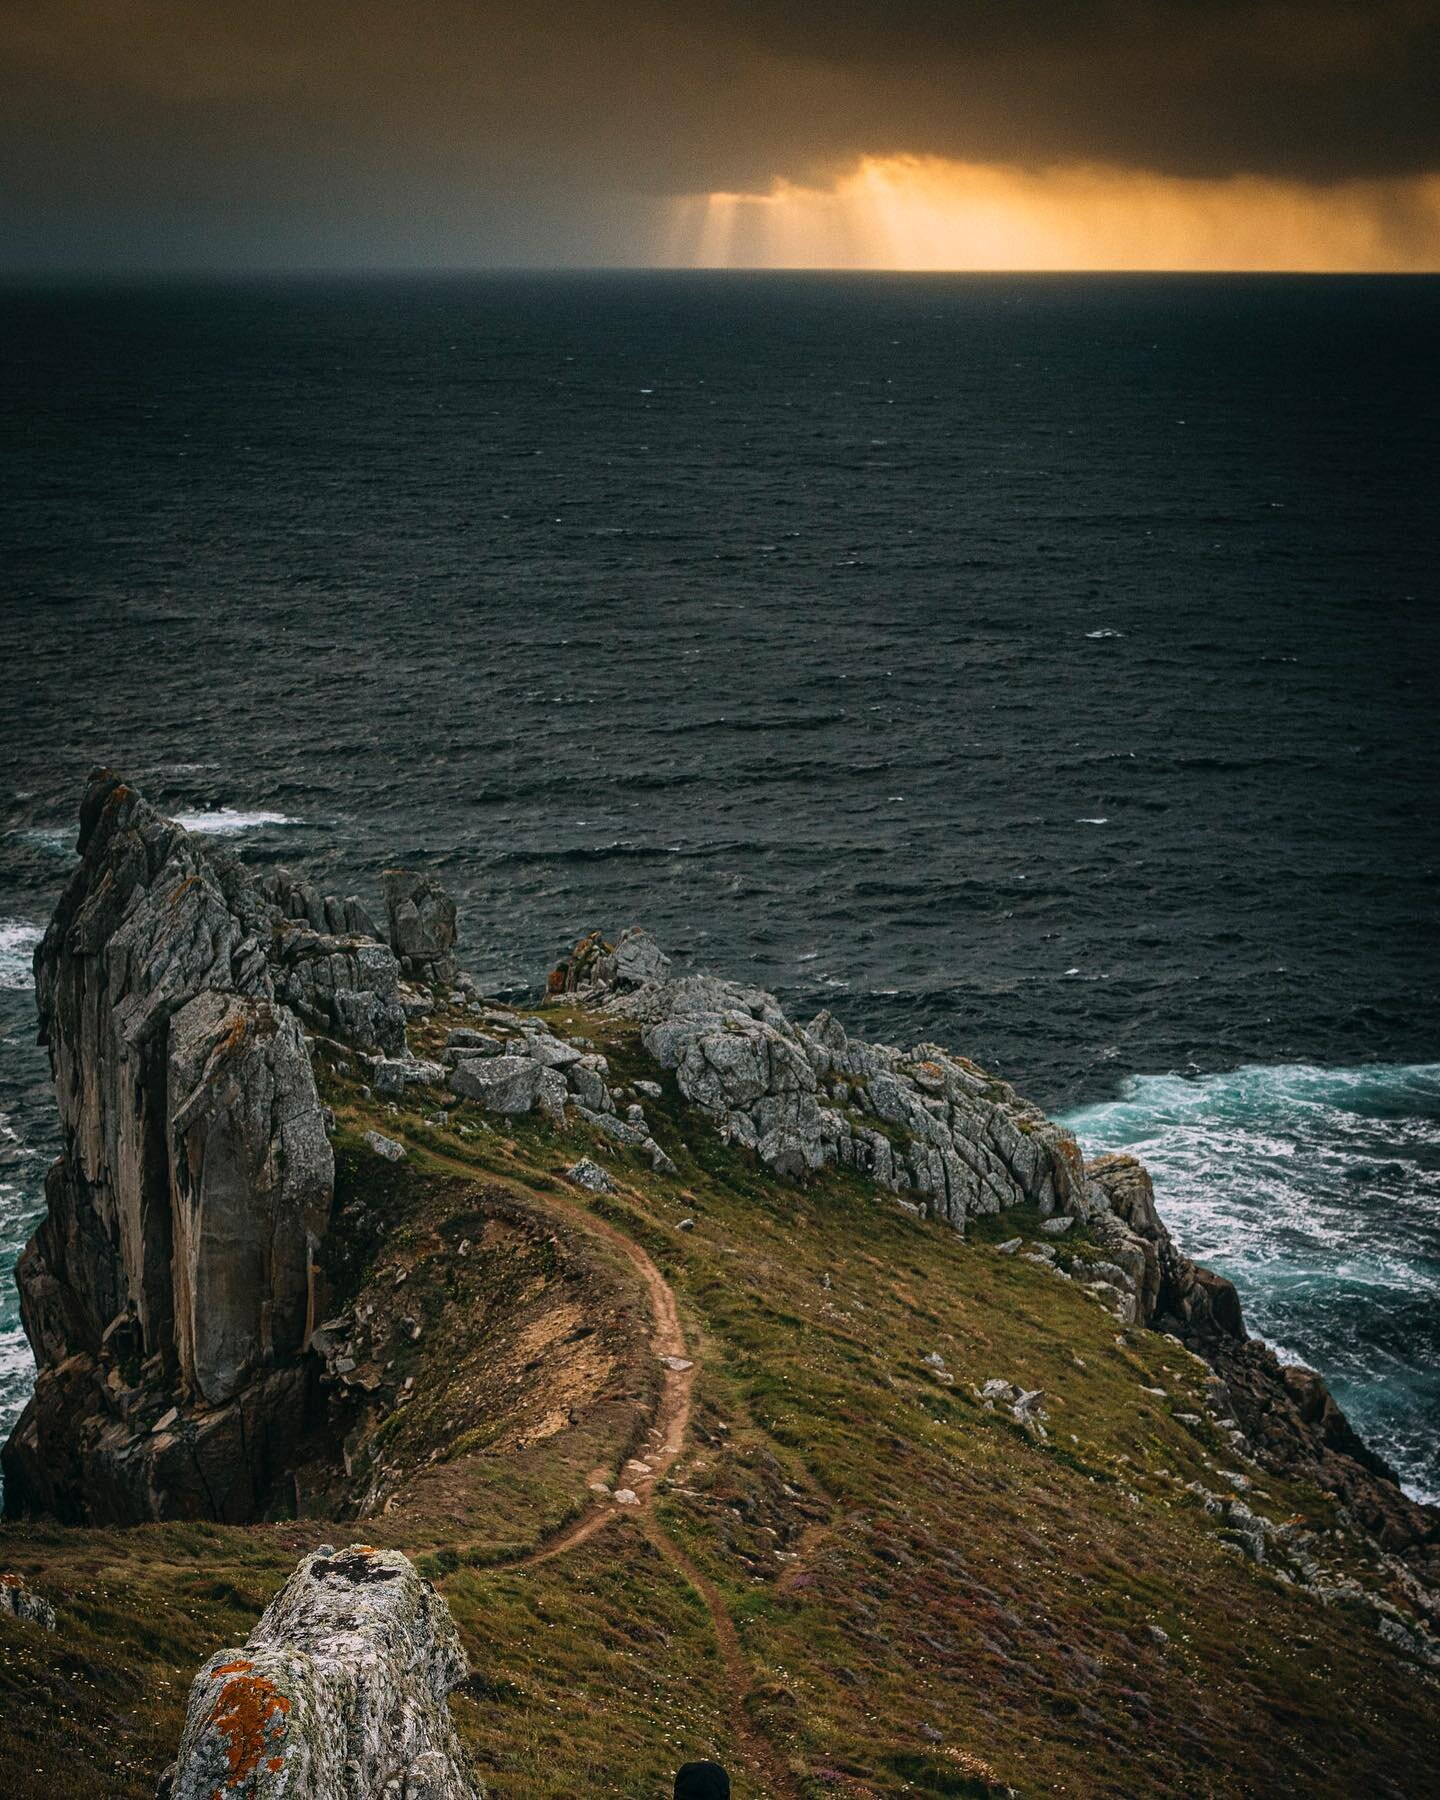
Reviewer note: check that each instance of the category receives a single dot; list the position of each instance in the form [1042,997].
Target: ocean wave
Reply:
[1317,1190]
[226,821]
[17,950]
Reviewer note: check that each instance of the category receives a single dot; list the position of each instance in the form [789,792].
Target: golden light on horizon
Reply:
[927,213]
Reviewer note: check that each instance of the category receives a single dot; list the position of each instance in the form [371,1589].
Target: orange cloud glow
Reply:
[906,212]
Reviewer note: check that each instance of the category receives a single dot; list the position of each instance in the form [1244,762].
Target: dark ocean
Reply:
[1045,665]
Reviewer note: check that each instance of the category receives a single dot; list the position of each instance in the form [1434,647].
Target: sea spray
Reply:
[1317,1191]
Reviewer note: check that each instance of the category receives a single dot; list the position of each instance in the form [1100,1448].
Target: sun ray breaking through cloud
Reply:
[929,213]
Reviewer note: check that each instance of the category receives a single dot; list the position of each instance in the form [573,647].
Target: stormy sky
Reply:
[343,133]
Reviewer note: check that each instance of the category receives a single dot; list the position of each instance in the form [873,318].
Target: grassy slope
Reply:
[915,1597]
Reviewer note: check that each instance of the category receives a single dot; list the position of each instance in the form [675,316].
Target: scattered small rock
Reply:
[1009,1247]
[385,1146]
[678,1363]
[659,1161]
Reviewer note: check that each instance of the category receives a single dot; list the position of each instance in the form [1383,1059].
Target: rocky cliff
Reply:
[171,1289]
[845,1336]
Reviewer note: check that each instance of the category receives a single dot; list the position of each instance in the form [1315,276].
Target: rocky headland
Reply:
[253,1077]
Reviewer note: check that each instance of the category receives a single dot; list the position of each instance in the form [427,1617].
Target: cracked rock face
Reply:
[168,1291]
[251,1180]
[22,1602]
[340,1693]
[919,1122]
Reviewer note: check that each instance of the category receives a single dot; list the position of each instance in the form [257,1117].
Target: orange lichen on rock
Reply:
[249,1715]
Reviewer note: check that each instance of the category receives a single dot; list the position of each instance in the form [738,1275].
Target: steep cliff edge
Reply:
[171,1289]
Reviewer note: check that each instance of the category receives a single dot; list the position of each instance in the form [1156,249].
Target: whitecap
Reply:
[17,950]
[1104,634]
[60,839]
[1092,821]
[225,821]
[1317,1191]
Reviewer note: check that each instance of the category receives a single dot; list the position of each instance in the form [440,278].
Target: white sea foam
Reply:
[17,949]
[1104,634]
[17,1376]
[60,839]
[1317,1190]
[225,821]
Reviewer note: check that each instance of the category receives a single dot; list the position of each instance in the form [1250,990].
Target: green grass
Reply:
[925,1600]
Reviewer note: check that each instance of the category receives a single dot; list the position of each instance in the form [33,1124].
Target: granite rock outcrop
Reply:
[422,924]
[921,1122]
[341,1692]
[170,1289]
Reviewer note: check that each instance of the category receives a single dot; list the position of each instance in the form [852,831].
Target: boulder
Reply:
[340,1693]
[22,1602]
[636,959]
[588,1174]
[422,922]
[508,1084]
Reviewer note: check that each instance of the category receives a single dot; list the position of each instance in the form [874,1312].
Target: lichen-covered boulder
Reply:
[508,1084]
[340,1693]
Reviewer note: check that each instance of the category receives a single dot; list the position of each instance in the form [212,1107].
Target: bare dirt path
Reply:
[671,1420]
[667,1433]
[762,1753]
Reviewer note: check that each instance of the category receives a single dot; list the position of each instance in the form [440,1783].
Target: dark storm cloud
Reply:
[534,122]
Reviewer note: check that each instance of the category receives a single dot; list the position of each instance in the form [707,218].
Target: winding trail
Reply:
[671,1420]
[667,1432]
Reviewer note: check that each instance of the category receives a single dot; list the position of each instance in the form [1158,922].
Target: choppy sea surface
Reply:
[1043,665]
